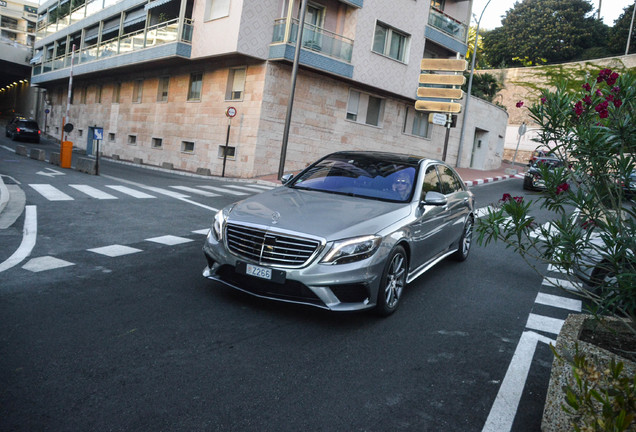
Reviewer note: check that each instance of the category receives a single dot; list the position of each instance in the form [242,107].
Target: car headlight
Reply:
[219,223]
[353,249]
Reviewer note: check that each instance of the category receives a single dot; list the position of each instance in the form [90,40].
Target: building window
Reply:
[230,152]
[116,92]
[98,94]
[438,4]
[132,139]
[416,123]
[137,90]
[162,91]
[217,9]
[111,137]
[194,90]
[390,42]
[80,132]
[235,84]
[157,143]
[187,146]
[365,108]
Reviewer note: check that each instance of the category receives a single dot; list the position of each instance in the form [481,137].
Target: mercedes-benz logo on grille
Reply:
[275,217]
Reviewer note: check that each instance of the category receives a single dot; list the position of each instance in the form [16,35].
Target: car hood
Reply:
[327,215]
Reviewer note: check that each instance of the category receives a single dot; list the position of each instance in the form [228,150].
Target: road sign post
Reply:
[230,113]
[98,135]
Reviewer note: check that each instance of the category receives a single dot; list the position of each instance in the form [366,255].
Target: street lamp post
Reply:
[470,87]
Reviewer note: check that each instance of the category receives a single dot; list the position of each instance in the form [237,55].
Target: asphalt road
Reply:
[140,341]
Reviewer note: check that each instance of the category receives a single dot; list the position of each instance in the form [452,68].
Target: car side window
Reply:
[450,182]
[431,181]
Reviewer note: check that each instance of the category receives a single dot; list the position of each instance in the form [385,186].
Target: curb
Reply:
[491,179]
[4,195]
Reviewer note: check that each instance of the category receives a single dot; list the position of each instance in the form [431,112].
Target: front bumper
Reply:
[341,287]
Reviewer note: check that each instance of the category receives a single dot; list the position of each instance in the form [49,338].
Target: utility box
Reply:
[66,154]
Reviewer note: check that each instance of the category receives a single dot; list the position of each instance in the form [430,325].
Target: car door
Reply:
[427,230]
[458,204]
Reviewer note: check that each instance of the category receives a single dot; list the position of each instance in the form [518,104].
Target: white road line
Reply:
[224,191]
[202,231]
[543,323]
[195,191]
[44,263]
[114,250]
[163,191]
[29,235]
[481,212]
[92,192]
[502,414]
[169,240]
[559,302]
[132,192]
[51,193]
[245,188]
[556,269]
[561,283]
[262,186]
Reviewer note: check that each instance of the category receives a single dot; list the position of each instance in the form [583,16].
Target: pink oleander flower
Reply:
[564,187]
[587,87]
[599,92]
[578,108]
[519,104]
[518,199]
[616,90]
[587,99]
[603,114]
[543,100]
[618,103]
[611,80]
[602,106]
[506,197]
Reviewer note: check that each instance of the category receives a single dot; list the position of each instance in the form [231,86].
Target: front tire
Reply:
[465,241]
[393,282]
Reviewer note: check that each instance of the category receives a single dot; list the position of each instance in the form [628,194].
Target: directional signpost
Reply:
[438,90]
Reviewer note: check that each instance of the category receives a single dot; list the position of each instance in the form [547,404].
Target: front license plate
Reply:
[259,272]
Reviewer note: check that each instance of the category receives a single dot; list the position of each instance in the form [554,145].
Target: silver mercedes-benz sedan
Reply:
[347,233]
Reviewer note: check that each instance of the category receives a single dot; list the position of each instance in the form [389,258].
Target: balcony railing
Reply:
[448,24]
[163,33]
[314,39]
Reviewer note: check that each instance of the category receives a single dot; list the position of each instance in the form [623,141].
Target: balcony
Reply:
[448,24]
[322,48]
[162,34]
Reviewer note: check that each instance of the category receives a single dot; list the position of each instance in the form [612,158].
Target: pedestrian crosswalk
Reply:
[112,192]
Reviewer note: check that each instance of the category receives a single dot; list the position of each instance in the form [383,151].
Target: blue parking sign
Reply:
[98,134]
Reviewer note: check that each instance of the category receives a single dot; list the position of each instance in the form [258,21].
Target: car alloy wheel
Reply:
[393,282]
[464,242]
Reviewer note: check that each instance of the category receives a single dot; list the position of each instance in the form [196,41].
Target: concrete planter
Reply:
[554,418]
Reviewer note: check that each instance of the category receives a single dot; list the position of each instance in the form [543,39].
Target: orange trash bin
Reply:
[66,154]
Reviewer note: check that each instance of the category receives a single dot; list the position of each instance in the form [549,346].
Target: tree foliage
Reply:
[619,33]
[485,86]
[540,31]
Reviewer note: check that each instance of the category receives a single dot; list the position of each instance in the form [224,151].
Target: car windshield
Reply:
[366,177]
[550,163]
[28,124]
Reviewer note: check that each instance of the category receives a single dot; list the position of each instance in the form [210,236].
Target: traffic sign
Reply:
[230,112]
[439,93]
[447,65]
[437,118]
[440,107]
[98,134]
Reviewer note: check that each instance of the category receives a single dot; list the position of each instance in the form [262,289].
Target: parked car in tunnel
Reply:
[22,128]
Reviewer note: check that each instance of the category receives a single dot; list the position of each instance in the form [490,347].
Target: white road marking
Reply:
[132,192]
[202,231]
[543,323]
[29,235]
[115,250]
[561,283]
[504,409]
[52,172]
[224,191]
[559,302]
[92,192]
[245,188]
[169,240]
[51,193]
[195,191]
[45,263]
[262,186]
[481,212]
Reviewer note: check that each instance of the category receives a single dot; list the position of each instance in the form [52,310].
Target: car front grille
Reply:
[270,247]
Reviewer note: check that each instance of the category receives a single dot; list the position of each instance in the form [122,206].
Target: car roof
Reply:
[383,156]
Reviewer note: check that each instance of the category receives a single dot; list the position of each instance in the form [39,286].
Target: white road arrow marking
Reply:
[53,172]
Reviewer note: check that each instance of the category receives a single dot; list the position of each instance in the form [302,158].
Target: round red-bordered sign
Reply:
[230,112]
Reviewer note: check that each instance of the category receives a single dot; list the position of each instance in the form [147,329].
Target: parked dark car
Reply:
[347,233]
[22,128]
[629,186]
[541,154]
[533,179]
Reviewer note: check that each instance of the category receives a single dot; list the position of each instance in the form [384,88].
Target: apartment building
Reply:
[159,76]
[17,37]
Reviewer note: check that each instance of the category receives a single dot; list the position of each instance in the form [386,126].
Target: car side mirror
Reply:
[435,198]
[286,178]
